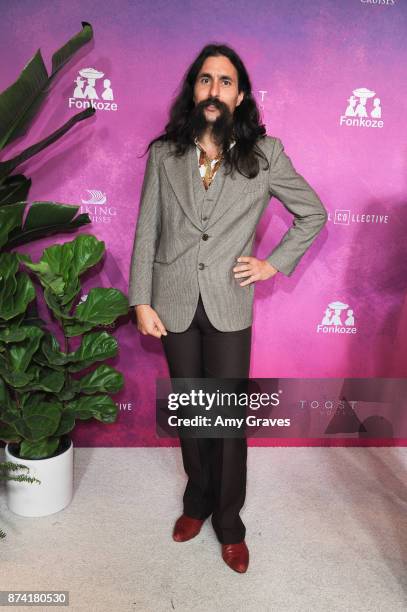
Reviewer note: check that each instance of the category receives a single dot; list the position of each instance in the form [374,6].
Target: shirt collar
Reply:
[201,149]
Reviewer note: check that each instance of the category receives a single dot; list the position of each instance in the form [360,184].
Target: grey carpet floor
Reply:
[326,531]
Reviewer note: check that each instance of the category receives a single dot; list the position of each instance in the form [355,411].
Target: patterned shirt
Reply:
[208,167]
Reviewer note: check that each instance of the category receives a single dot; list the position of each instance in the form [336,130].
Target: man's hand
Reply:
[148,321]
[255,269]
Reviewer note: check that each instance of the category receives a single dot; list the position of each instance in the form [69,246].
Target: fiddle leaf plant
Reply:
[41,392]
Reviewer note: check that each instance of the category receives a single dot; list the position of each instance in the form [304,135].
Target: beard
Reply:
[221,129]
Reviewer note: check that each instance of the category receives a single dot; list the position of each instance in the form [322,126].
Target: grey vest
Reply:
[205,199]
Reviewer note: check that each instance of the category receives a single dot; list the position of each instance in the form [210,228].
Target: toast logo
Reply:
[85,93]
[362,111]
[95,205]
[346,217]
[262,93]
[338,319]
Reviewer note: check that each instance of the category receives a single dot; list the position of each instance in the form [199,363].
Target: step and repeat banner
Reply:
[329,80]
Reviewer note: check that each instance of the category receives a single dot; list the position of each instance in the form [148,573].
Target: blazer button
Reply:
[201,266]
[204,218]
[205,237]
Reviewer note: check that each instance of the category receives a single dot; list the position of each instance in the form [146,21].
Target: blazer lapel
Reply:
[179,173]
[182,172]
[231,190]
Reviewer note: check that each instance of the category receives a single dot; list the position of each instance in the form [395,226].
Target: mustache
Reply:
[211,102]
[222,128]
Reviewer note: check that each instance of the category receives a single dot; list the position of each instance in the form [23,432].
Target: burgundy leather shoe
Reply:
[236,556]
[186,528]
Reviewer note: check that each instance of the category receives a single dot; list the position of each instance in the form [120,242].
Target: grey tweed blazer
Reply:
[187,239]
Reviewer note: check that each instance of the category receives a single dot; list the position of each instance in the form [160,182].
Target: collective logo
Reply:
[126,406]
[346,217]
[95,206]
[362,111]
[85,93]
[338,319]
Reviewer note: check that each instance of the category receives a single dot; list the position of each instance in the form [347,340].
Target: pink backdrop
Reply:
[316,69]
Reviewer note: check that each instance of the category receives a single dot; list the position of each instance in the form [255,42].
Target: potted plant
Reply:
[40,388]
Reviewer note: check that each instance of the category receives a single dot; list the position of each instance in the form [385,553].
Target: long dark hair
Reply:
[247,127]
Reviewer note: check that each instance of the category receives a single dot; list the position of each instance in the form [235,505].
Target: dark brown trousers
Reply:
[216,467]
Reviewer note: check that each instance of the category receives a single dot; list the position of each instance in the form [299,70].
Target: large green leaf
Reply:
[66,424]
[40,449]
[61,265]
[60,312]
[95,346]
[74,257]
[11,217]
[20,354]
[100,407]
[14,189]
[45,219]
[9,165]
[5,400]
[8,265]
[14,333]
[20,102]
[16,288]
[103,305]
[14,379]
[52,218]
[104,379]
[42,420]
[8,433]
[44,379]
[87,252]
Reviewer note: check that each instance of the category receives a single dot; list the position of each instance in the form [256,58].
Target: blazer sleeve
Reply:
[298,197]
[146,236]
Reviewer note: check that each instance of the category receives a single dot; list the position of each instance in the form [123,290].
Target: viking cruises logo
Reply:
[95,206]
[85,93]
[362,111]
[338,319]
[379,2]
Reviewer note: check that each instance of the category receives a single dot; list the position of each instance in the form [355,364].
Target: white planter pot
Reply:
[55,490]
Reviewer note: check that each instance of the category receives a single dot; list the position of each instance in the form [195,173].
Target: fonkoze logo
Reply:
[364,110]
[86,93]
[338,319]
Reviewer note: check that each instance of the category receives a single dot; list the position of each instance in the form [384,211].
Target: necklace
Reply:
[217,156]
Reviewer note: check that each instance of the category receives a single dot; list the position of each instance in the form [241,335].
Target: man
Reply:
[208,179]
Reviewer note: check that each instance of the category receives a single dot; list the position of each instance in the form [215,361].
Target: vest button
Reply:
[205,237]
[201,266]
[204,218]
